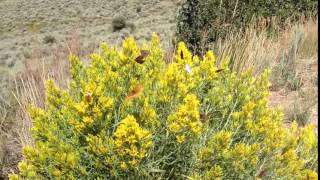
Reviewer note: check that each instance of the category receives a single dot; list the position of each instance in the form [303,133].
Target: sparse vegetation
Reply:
[302,106]
[300,113]
[34,27]
[118,23]
[49,39]
[132,27]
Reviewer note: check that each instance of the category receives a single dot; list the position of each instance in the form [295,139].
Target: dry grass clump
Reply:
[15,122]
[49,39]
[251,49]
[292,55]
[256,48]
[30,87]
[302,106]
[293,58]
[8,144]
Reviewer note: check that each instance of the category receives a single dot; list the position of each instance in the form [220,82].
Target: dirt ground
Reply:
[24,25]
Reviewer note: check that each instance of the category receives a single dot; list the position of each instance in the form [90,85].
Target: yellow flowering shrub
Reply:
[127,117]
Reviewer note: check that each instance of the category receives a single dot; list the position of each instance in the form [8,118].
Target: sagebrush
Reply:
[201,22]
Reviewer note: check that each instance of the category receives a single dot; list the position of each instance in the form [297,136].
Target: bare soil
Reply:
[25,25]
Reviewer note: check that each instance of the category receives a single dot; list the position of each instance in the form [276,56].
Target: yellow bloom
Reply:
[80,107]
[215,172]
[71,159]
[183,54]
[106,102]
[180,139]
[87,120]
[79,126]
[133,163]
[308,136]
[149,115]
[13,177]
[56,172]
[123,166]
[312,175]
[186,121]
[132,142]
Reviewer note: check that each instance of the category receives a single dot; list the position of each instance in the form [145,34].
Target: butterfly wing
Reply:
[203,117]
[219,70]
[181,54]
[137,90]
[142,56]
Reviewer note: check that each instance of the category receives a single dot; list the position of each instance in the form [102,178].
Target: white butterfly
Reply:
[188,68]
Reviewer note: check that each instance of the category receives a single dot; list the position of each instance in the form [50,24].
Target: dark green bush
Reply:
[49,39]
[203,21]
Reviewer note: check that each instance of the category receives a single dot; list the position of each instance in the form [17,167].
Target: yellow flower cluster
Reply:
[271,140]
[91,107]
[208,66]
[131,142]
[216,172]
[180,77]
[185,123]
[149,116]
[308,137]
[97,145]
[217,147]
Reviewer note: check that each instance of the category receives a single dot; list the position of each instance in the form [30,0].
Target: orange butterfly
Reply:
[134,93]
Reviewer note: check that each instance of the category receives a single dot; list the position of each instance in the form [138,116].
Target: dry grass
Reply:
[255,47]
[292,56]
[29,89]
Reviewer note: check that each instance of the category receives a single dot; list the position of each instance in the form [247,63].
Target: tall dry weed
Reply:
[292,55]
[29,89]
[255,48]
